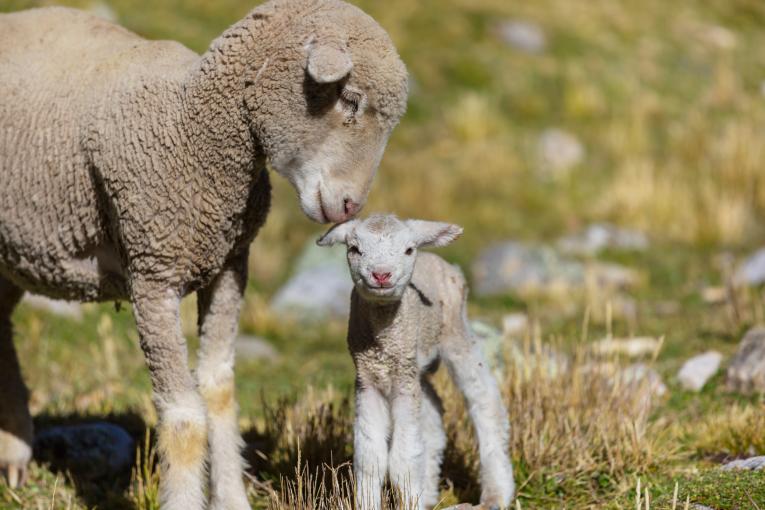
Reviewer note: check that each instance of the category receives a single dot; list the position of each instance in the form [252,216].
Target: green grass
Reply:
[672,125]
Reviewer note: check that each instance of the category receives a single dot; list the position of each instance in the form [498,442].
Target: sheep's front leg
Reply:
[15,420]
[407,450]
[471,373]
[370,447]
[182,428]
[219,306]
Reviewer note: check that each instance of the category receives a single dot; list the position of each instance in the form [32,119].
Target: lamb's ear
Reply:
[328,62]
[337,234]
[434,233]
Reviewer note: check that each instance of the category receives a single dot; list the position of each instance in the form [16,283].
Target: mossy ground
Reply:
[670,113]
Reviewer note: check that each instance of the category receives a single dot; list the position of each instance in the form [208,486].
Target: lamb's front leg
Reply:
[219,306]
[472,375]
[182,429]
[370,447]
[407,450]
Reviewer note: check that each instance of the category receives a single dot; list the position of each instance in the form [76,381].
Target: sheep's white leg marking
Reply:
[471,373]
[370,447]
[15,420]
[435,441]
[182,428]
[407,450]
[219,306]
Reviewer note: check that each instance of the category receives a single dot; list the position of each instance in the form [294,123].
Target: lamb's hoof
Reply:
[15,475]
[15,455]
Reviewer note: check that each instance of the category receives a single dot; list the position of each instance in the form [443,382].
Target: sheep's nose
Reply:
[350,208]
[381,278]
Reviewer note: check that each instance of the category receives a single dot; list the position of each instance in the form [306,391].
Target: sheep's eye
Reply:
[409,251]
[352,100]
[354,249]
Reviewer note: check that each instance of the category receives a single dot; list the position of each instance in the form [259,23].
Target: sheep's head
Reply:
[382,251]
[324,104]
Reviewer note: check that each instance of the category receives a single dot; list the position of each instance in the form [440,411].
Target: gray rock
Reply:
[514,267]
[103,10]
[320,286]
[254,348]
[523,35]
[601,236]
[67,309]
[558,151]
[608,275]
[746,373]
[91,451]
[695,372]
[752,463]
[752,271]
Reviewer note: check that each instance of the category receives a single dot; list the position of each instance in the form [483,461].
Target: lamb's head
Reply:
[324,101]
[382,251]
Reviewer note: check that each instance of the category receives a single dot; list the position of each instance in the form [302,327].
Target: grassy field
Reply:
[667,100]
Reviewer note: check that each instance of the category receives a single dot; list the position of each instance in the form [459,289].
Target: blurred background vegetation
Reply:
[657,109]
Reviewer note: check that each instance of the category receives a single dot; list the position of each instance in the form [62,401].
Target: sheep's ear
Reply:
[337,234]
[434,233]
[328,62]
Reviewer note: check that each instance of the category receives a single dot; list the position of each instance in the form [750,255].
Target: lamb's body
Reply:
[408,312]
[69,194]
[135,169]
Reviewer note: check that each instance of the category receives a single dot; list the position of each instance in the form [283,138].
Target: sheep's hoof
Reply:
[15,454]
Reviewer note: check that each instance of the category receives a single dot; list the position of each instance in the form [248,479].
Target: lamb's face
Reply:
[382,251]
[326,130]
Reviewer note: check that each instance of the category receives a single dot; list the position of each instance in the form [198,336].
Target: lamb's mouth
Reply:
[380,291]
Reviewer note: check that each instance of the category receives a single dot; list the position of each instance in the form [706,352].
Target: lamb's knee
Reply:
[182,434]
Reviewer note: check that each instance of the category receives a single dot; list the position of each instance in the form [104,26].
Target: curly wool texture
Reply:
[122,158]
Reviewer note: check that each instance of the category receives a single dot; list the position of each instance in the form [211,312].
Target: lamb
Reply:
[136,170]
[408,311]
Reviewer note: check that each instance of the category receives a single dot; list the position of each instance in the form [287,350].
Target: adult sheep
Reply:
[135,169]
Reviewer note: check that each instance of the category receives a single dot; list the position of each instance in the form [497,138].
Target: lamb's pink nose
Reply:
[381,278]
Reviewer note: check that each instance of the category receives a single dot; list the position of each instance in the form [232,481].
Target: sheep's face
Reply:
[382,251]
[324,110]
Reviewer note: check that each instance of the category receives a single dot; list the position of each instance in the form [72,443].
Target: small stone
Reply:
[714,295]
[254,348]
[67,309]
[523,35]
[515,324]
[720,36]
[461,506]
[493,344]
[634,347]
[602,236]
[558,151]
[752,271]
[320,286]
[746,373]
[752,464]
[612,276]
[91,451]
[695,372]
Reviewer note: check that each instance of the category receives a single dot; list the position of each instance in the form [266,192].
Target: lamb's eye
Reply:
[409,251]
[354,250]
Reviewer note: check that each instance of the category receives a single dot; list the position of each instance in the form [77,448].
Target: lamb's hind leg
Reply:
[15,420]
[182,428]
[219,306]
[472,375]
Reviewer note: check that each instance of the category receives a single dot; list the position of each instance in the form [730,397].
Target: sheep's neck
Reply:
[214,113]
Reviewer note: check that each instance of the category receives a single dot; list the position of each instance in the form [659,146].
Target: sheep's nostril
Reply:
[350,207]
[381,278]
